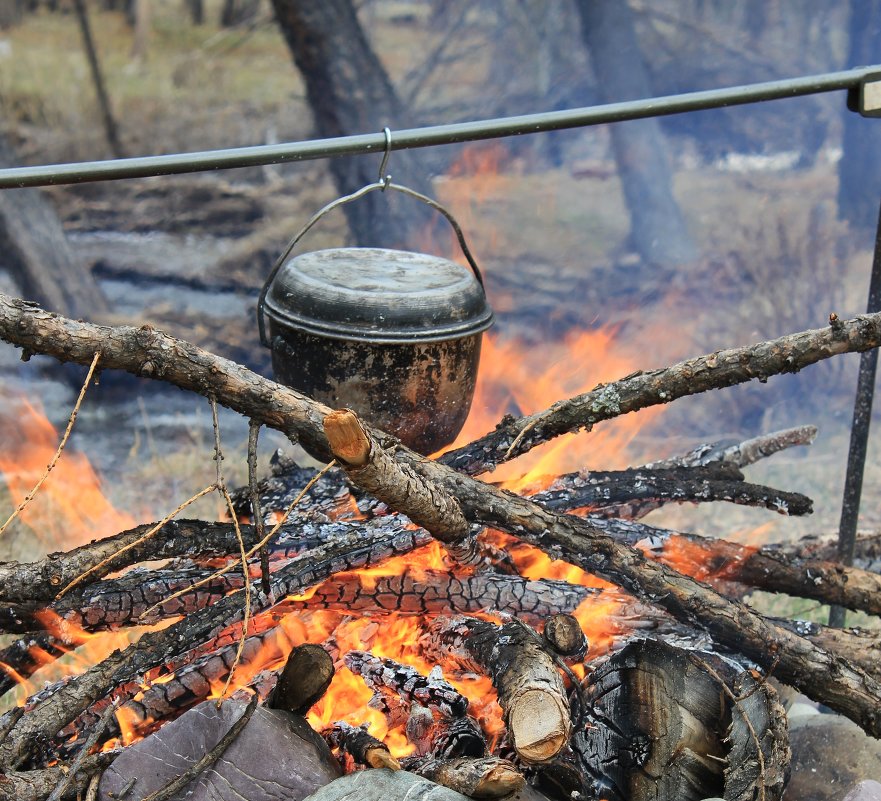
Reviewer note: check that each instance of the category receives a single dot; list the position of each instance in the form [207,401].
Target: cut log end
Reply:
[539,725]
[380,758]
[347,438]
[564,635]
[502,781]
[305,678]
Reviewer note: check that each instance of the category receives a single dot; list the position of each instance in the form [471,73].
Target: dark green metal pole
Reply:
[859,435]
[428,137]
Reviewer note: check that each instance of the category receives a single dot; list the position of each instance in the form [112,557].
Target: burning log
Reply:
[531,692]
[484,777]
[766,568]
[663,723]
[816,672]
[636,492]
[361,745]
[157,648]
[432,692]
[22,657]
[437,592]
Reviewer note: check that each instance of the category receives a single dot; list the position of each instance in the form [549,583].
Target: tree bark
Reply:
[111,130]
[350,92]
[658,229]
[34,250]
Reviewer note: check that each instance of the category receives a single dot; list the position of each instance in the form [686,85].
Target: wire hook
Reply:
[383,178]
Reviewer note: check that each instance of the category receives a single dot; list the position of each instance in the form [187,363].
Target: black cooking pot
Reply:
[392,334]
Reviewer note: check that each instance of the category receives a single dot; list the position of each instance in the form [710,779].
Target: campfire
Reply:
[397,613]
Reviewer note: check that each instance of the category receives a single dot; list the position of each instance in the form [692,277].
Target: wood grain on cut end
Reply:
[539,725]
[347,438]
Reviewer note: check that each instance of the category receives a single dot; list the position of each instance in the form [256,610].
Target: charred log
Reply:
[635,493]
[436,592]
[531,693]
[306,676]
[564,636]
[432,692]
[659,719]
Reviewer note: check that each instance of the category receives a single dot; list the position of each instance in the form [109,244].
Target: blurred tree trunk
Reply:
[11,13]
[658,230]
[350,93]
[859,171]
[111,130]
[196,9]
[238,12]
[34,250]
[141,10]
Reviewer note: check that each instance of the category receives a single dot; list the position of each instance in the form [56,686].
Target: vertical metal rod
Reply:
[859,435]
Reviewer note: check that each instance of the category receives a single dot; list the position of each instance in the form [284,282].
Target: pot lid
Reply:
[384,296]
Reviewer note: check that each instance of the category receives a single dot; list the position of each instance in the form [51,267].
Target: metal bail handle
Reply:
[382,184]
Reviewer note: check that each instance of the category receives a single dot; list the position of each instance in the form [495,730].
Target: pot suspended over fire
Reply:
[394,335]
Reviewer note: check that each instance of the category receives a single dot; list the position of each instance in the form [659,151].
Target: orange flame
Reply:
[70,508]
[515,378]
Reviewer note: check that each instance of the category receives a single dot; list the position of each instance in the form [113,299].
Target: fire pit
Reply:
[425,648]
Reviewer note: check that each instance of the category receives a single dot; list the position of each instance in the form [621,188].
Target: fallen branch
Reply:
[372,468]
[725,368]
[636,492]
[740,454]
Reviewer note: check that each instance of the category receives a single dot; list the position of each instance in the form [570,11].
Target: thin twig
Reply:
[221,488]
[209,759]
[88,745]
[137,542]
[253,434]
[30,496]
[263,543]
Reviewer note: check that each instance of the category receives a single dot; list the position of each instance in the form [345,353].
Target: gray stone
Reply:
[380,784]
[388,785]
[864,791]
[276,757]
[830,754]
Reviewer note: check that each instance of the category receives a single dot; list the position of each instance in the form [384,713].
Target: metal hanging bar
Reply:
[47,175]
